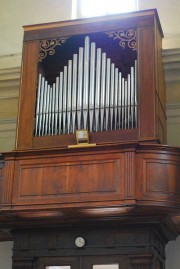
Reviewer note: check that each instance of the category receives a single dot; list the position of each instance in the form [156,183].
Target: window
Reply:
[93,8]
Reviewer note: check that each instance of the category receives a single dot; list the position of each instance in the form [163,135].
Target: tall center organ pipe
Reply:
[90,93]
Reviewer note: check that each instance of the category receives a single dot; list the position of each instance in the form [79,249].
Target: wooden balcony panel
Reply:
[66,180]
[93,182]
[158,176]
[71,179]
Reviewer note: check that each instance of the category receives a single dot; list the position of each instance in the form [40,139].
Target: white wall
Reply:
[14,14]
[173,254]
[5,255]
[170,20]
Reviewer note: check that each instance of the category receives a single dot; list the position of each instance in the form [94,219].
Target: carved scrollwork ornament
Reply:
[126,37]
[47,47]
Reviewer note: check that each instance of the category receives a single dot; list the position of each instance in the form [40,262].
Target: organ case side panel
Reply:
[27,95]
[1,179]
[146,84]
[160,89]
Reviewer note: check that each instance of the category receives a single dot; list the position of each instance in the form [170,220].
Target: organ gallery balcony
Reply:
[104,76]
[104,182]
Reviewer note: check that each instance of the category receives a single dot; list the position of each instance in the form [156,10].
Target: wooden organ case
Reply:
[90,160]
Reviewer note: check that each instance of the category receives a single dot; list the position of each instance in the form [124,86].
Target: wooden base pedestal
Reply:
[129,246]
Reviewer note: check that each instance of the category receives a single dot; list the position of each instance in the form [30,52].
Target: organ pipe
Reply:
[80,83]
[90,93]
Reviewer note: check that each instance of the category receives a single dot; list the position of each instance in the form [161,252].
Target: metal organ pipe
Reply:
[64,100]
[102,96]
[86,81]
[107,95]
[92,85]
[90,93]
[74,93]
[80,89]
[56,105]
[111,95]
[97,88]
[116,98]
[44,108]
[47,111]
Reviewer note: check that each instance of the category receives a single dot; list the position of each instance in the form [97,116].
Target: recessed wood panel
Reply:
[157,177]
[161,180]
[30,181]
[63,180]
[69,178]
[161,176]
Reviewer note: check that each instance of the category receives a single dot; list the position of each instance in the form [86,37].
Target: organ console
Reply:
[100,79]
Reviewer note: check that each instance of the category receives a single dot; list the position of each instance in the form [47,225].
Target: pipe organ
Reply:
[90,78]
[90,93]
[119,193]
